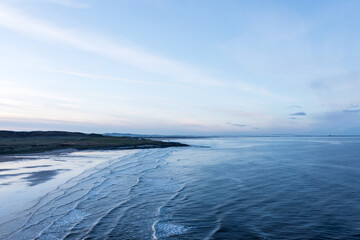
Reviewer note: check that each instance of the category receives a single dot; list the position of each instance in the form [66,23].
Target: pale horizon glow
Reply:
[188,68]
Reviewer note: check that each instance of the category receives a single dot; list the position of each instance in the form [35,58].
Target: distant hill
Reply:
[12,134]
[41,141]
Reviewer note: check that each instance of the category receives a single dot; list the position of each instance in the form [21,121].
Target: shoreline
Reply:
[16,143]
[25,156]
[31,177]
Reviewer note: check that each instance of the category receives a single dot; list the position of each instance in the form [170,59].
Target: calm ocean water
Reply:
[221,188]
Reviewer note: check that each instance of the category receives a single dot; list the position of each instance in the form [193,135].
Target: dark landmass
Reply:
[42,141]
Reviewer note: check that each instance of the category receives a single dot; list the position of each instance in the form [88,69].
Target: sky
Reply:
[200,67]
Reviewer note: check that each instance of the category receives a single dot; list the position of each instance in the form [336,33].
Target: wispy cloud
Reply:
[15,20]
[294,106]
[298,114]
[337,122]
[172,70]
[67,3]
[104,77]
[343,89]
[351,110]
[260,91]
[353,105]
[237,125]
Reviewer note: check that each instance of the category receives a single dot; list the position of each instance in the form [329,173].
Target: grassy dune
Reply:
[36,142]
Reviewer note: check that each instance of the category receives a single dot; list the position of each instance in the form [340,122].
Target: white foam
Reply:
[167,229]
[16,195]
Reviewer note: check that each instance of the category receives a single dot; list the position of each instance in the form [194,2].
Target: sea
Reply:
[217,188]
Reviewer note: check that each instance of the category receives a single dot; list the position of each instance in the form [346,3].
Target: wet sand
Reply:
[19,157]
[26,178]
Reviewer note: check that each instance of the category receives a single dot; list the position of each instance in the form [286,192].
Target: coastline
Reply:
[34,164]
[15,143]
[27,156]
[25,180]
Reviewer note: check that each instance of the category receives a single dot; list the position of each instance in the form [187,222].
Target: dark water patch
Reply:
[38,166]
[36,178]
[6,184]
[11,175]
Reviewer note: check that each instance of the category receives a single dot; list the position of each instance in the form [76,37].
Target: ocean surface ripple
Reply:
[235,188]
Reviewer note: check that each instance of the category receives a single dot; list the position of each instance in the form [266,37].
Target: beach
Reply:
[24,179]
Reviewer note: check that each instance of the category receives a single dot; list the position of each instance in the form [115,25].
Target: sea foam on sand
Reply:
[24,179]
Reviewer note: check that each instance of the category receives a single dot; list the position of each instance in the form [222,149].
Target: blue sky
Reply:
[180,67]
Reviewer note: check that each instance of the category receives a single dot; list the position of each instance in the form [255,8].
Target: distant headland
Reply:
[12,142]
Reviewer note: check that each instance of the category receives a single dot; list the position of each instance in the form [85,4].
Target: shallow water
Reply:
[221,188]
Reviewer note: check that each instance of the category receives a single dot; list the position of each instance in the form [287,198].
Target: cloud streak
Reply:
[337,122]
[237,125]
[172,70]
[96,76]
[17,21]
[67,3]
[295,106]
[351,111]
[298,114]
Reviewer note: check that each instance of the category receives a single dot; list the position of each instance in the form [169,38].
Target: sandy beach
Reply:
[24,179]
